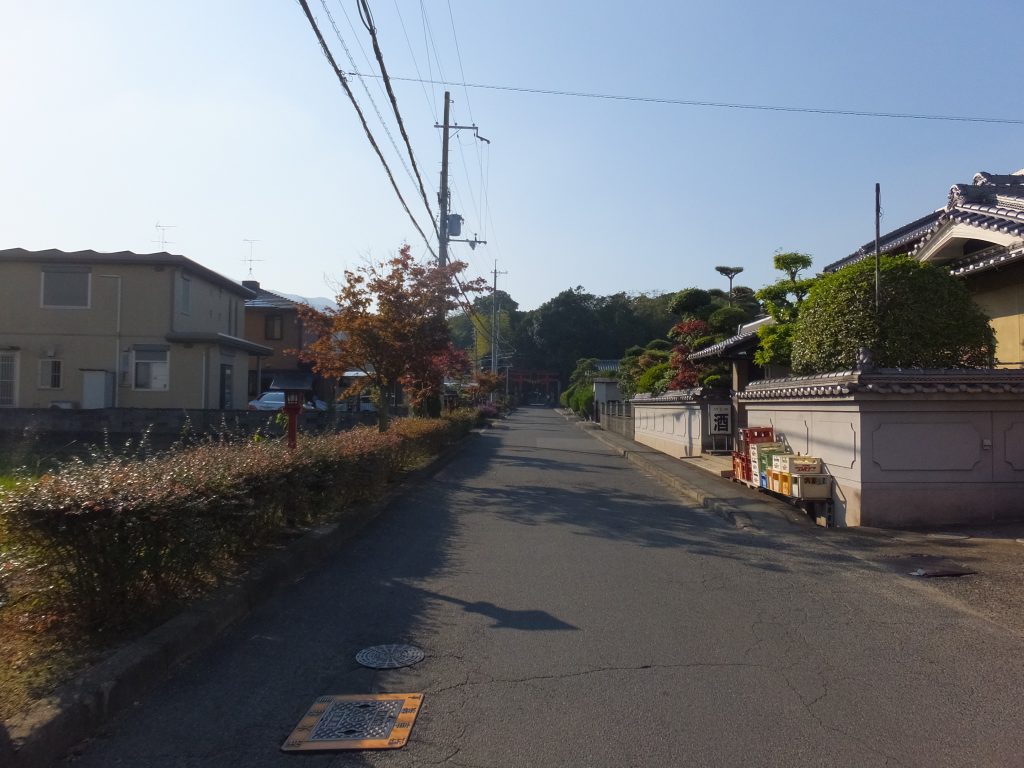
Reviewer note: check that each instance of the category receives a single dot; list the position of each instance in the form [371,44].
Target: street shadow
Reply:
[504,618]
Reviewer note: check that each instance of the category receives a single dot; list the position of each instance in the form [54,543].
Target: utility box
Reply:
[454,225]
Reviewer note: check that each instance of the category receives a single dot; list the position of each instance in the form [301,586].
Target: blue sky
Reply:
[223,119]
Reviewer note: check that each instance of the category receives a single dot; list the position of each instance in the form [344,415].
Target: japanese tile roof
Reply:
[671,396]
[53,255]
[889,382]
[747,336]
[891,242]
[991,201]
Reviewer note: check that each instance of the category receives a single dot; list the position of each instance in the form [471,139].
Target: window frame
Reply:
[279,321]
[65,269]
[15,360]
[51,361]
[134,369]
[185,295]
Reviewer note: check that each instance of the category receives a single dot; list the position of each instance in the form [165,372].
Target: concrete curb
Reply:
[698,496]
[55,725]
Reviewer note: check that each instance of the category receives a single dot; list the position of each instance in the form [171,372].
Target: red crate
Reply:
[751,435]
[741,466]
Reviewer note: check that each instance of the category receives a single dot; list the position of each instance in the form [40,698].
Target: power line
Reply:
[415,64]
[364,12]
[719,104]
[362,81]
[362,119]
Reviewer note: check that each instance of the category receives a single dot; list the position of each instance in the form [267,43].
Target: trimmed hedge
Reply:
[120,540]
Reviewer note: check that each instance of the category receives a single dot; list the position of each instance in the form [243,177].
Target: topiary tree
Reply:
[926,319]
[782,301]
[726,320]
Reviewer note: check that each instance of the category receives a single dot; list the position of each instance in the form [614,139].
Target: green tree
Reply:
[726,320]
[782,301]
[926,319]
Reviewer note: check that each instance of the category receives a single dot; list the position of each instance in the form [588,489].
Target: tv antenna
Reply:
[249,259]
[162,230]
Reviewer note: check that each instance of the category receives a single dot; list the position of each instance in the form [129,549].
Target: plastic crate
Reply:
[773,480]
[757,449]
[812,486]
[797,465]
[763,480]
[740,466]
[785,481]
[765,458]
[751,435]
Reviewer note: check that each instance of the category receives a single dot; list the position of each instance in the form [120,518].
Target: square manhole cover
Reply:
[362,721]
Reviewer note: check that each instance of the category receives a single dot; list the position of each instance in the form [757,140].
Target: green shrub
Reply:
[654,380]
[927,319]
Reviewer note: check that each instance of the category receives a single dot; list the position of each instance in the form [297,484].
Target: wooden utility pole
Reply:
[442,198]
[878,268]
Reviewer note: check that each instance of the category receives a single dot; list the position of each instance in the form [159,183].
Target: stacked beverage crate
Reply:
[749,436]
[801,476]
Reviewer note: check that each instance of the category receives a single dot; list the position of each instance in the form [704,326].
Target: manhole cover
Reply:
[389,656]
[367,721]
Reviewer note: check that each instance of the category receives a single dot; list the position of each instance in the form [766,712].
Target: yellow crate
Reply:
[785,482]
[812,486]
[797,465]
[773,480]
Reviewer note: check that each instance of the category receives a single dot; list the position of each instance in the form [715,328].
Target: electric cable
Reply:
[362,119]
[364,8]
[722,104]
[362,81]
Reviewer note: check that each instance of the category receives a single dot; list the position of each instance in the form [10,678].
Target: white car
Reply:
[274,401]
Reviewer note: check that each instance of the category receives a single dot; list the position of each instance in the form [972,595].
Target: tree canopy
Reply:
[926,319]
[390,325]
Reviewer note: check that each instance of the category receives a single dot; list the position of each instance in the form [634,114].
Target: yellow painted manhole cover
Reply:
[362,721]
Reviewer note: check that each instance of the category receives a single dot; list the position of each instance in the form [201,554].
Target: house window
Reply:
[66,287]
[185,295]
[274,327]
[50,374]
[150,370]
[8,378]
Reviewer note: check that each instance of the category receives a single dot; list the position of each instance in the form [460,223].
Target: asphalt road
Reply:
[574,613]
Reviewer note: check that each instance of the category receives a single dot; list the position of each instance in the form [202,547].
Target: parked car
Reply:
[274,401]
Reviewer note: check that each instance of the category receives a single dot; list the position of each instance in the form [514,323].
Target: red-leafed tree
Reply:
[424,379]
[390,324]
[689,335]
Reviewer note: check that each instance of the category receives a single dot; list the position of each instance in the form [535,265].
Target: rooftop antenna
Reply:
[249,259]
[163,241]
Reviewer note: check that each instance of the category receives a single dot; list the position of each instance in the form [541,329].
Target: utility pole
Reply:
[443,238]
[494,319]
[878,268]
[442,198]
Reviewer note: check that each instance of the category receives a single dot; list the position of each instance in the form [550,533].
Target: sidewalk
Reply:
[994,553]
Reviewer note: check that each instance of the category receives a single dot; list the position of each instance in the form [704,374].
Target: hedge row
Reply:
[120,540]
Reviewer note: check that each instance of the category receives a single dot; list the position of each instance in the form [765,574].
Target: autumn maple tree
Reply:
[391,325]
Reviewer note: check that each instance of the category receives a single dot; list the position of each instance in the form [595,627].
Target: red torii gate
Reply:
[523,383]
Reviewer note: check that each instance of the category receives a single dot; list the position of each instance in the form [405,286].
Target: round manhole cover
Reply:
[389,656]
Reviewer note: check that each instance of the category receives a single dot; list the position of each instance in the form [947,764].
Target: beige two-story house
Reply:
[101,330]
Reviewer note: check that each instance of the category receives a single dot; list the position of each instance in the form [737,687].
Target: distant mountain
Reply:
[317,302]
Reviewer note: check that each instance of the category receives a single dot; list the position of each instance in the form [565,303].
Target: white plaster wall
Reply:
[671,428]
[911,461]
[829,430]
